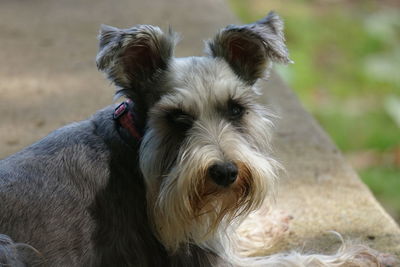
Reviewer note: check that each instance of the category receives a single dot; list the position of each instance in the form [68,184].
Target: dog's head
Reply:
[204,154]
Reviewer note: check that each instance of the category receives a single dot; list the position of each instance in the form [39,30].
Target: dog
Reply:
[167,177]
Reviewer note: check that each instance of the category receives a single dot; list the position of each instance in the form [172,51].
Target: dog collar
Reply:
[126,118]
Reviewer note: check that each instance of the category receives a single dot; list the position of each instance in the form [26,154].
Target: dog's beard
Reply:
[188,207]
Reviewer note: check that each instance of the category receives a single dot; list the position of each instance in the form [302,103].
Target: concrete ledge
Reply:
[320,190]
[48,78]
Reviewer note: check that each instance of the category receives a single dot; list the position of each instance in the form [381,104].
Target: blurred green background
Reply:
[347,74]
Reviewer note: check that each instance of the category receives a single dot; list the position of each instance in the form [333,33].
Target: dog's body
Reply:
[94,194]
[78,198]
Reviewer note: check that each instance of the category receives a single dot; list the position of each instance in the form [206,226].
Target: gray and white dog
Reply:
[166,178]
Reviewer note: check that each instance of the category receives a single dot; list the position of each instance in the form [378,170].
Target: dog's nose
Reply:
[223,173]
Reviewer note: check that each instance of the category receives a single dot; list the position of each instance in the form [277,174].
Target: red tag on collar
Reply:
[126,118]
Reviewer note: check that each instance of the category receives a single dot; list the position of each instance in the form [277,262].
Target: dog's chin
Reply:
[194,216]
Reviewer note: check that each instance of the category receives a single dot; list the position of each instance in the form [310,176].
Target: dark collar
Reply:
[125,116]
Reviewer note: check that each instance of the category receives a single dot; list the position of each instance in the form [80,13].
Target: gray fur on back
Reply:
[46,189]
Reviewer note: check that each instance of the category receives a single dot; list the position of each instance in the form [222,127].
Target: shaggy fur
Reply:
[189,193]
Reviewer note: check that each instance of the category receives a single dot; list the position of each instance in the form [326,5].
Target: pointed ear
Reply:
[251,49]
[135,58]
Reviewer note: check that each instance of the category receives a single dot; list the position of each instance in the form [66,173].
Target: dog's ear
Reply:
[251,49]
[135,58]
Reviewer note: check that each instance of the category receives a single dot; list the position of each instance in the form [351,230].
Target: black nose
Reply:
[223,173]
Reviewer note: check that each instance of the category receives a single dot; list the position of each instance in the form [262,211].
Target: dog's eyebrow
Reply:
[243,100]
[178,110]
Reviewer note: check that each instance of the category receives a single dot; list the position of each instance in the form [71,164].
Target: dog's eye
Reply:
[235,110]
[179,119]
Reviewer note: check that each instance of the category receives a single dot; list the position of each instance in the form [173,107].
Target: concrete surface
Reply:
[48,78]
[320,190]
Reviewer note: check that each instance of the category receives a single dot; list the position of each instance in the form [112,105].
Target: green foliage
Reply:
[384,183]
[371,129]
